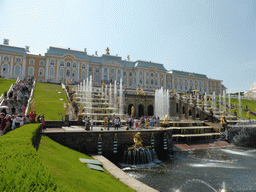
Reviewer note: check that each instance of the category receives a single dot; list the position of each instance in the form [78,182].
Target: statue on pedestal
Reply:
[66,108]
[132,111]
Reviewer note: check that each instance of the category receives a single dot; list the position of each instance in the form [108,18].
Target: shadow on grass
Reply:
[37,137]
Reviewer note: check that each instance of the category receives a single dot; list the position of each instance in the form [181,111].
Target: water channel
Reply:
[202,170]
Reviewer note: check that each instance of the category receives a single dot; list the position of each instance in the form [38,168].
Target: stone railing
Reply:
[31,96]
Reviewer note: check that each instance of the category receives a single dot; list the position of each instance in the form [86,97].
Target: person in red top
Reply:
[4,124]
[24,109]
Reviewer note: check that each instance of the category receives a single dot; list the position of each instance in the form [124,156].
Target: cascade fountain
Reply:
[224,99]
[162,103]
[137,154]
[99,103]
[205,101]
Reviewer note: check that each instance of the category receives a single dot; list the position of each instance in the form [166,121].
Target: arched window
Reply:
[31,61]
[162,83]
[18,60]
[83,75]
[130,81]
[105,78]
[5,68]
[51,71]
[97,78]
[52,62]
[41,72]
[17,70]
[68,64]
[97,70]
[152,82]
[124,73]
[31,71]
[74,65]
[147,74]
[105,70]
[156,75]
[169,85]
[62,63]
[140,73]
[119,72]
[124,79]
[147,81]
[140,80]
[112,78]
[68,73]
[130,74]
[112,71]
[74,73]
[61,72]
[90,69]
[118,79]
[152,74]
[83,66]
[41,62]
[156,82]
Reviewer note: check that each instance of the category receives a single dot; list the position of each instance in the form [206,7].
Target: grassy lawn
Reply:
[47,101]
[73,175]
[5,84]
[52,167]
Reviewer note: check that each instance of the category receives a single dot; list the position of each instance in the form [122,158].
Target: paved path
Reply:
[122,176]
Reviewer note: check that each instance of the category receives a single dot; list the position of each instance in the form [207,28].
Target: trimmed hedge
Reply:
[20,167]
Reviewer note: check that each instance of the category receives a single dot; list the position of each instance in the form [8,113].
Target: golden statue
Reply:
[174,91]
[137,141]
[66,108]
[32,104]
[74,98]
[248,115]
[66,82]
[222,120]
[202,107]
[140,92]
[107,51]
[195,94]
[102,85]
[81,109]
[118,100]
[166,119]
[132,111]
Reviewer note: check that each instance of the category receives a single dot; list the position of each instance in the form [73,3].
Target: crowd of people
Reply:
[14,106]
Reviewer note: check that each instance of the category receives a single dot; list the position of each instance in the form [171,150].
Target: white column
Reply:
[137,78]
[102,72]
[88,72]
[58,68]
[78,70]
[46,69]
[11,67]
[24,67]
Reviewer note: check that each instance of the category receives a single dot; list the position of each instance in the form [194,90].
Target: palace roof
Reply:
[183,73]
[13,49]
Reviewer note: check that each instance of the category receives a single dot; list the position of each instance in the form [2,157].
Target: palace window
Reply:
[83,74]
[169,84]
[169,78]
[83,66]
[162,76]
[90,69]
[52,62]
[41,72]
[140,80]
[68,73]
[176,86]
[119,72]
[74,65]
[124,79]
[5,68]
[130,74]
[186,88]
[140,73]
[73,73]
[68,64]
[97,70]
[18,60]
[97,78]
[41,62]
[156,75]
[156,82]
[210,83]
[112,71]
[147,74]
[181,87]
[147,81]
[51,71]
[186,80]
[105,70]
[124,73]
[152,82]
[130,81]
[180,80]
[152,74]
[31,61]
[17,70]
[61,72]
[162,83]
[118,79]
[105,78]
[112,78]
[31,71]
[6,58]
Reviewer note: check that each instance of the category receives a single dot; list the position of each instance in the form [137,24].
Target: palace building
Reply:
[59,64]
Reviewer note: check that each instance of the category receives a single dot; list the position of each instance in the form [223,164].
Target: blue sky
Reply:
[212,37]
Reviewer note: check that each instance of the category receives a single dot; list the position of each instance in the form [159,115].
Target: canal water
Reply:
[204,170]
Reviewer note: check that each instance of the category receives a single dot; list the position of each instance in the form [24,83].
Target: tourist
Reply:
[142,122]
[117,123]
[135,123]
[130,122]
[146,123]
[13,121]
[158,122]
[108,124]
[87,125]
[13,109]
[91,124]
[4,124]
[151,121]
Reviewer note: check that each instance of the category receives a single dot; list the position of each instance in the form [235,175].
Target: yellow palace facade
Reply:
[59,64]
